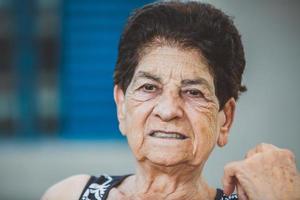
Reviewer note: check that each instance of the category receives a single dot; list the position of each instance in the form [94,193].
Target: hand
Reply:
[267,173]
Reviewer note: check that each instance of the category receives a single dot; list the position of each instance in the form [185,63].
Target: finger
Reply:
[264,147]
[289,154]
[250,153]
[241,192]
[229,177]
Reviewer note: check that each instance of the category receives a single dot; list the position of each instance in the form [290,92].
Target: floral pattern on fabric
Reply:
[97,191]
[99,187]
[231,197]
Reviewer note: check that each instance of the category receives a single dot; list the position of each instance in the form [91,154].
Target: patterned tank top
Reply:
[97,188]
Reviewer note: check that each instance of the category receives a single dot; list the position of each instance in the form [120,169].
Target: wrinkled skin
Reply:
[168,105]
[172,90]
[267,172]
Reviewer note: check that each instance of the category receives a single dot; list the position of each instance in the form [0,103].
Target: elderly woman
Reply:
[177,79]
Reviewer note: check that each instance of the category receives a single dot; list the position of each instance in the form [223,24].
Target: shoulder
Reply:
[68,189]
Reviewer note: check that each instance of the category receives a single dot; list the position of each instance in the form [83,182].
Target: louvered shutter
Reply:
[91,31]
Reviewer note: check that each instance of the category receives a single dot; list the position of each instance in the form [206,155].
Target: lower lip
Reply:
[164,141]
[167,138]
[167,143]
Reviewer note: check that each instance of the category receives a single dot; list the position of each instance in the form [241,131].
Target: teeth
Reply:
[167,135]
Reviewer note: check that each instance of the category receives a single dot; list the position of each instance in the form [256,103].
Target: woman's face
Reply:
[170,111]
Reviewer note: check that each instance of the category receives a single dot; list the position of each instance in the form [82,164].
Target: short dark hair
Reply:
[187,25]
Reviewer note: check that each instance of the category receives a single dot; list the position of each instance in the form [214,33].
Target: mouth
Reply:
[167,135]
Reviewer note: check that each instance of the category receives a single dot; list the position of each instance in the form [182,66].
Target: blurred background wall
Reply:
[57,115]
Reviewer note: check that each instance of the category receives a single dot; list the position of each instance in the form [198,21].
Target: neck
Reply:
[167,182]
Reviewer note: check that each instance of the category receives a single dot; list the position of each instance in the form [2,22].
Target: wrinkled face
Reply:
[170,111]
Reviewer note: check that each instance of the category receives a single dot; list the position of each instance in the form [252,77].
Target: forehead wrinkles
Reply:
[177,65]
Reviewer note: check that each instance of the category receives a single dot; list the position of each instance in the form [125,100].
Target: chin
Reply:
[166,159]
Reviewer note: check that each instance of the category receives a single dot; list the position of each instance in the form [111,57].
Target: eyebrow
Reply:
[185,82]
[142,74]
[198,81]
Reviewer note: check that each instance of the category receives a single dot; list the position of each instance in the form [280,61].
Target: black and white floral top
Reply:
[97,188]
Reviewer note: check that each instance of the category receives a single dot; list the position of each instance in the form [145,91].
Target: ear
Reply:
[119,98]
[226,116]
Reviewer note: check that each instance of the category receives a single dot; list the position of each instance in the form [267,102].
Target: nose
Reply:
[168,107]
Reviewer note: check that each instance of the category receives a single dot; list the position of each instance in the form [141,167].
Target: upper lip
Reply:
[168,132]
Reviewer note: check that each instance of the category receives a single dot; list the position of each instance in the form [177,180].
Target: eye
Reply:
[193,93]
[149,88]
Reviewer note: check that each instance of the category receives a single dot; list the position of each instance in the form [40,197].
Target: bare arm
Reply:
[67,189]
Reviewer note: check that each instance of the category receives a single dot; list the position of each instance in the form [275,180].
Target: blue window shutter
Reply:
[91,31]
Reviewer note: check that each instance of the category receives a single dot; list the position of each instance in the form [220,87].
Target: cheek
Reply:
[207,113]
[134,124]
[204,125]
[140,96]
[137,111]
